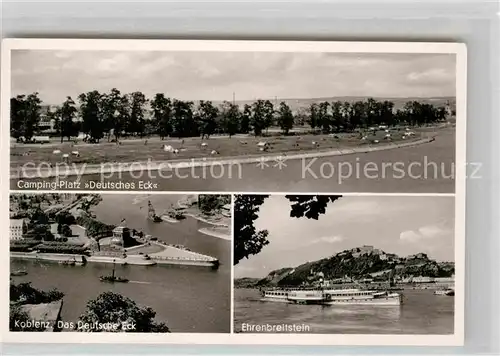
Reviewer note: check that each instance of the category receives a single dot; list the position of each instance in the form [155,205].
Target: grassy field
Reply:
[137,150]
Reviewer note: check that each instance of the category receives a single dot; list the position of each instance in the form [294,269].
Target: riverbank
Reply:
[168,255]
[203,218]
[59,169]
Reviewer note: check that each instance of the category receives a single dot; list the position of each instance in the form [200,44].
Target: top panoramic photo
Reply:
[219,116]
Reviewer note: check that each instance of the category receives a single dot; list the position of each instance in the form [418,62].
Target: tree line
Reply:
[113,115]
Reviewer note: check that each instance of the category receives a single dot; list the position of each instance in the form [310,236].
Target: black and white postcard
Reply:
[159,191]
[234,116]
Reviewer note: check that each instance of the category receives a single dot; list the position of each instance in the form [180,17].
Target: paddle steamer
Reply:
[333,296]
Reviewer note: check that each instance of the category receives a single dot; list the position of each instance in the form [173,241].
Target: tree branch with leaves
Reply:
[250,241]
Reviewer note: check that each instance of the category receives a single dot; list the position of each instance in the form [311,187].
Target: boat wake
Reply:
[139,282]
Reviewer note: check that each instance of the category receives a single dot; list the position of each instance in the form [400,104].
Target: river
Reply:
[421,313]
[188,299]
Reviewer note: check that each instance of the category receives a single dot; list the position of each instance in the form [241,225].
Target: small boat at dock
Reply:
[18,273]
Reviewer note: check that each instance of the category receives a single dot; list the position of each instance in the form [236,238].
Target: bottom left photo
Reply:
[154,263]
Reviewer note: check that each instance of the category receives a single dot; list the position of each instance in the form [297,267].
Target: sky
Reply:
[56,74]
[395,224]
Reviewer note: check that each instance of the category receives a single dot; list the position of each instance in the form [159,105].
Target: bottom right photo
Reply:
[352,264]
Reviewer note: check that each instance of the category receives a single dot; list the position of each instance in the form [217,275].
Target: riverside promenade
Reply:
[169,255]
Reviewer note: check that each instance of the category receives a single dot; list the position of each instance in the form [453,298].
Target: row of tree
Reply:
[63,248]
[114,114]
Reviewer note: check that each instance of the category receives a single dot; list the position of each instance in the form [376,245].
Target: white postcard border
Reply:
[456,339]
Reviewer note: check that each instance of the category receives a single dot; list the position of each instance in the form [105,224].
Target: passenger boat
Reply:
[362,297]
[448,292]
[333,296]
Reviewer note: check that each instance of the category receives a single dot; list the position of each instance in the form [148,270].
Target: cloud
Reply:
[432,231]
[424,233]
[434,73]
[434,76]
[369,209]
[328,240]
[216,75]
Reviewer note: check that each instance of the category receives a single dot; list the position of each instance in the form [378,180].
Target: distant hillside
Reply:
[275,277]
[302,103]
[246,282]
[357,264]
